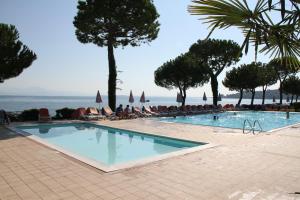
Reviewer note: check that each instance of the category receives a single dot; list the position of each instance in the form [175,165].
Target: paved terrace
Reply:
[265,166]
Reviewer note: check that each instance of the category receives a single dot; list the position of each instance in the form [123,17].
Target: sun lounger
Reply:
[139,113]
[93,114]
[163,111]
[173,110]
[44,115]
[148,110]
[109,113]
[78,113]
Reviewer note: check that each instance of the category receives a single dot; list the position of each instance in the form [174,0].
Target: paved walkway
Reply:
[265,166]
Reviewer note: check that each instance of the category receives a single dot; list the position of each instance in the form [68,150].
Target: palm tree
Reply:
[278,38]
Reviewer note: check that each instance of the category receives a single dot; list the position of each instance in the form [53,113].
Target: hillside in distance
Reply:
[258,95]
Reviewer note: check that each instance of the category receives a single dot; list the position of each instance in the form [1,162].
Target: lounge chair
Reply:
[92,114]
[139,113]
[44,115]
[106,110]
[163,111]
[172,110]
[148,110]
[78,113]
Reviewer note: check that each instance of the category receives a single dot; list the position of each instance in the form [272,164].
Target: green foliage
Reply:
[217,54]
[125,22]
[116,23]
[14,56]
[235,79]
[268,76]
[291,85]
[29,115]
[183,72]
[64,113]
[283,68]
[260,25]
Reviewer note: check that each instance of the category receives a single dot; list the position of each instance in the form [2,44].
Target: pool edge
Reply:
[131,164]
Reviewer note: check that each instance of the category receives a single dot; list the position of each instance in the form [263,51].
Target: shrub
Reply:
[64,113]
[29,115]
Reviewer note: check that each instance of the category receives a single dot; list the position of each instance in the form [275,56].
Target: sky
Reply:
[64,66]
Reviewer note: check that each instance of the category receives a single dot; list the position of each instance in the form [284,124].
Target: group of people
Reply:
[124,113]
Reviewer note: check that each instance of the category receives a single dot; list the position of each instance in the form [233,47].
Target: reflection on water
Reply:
[44,129]
[107,145]
[111,145]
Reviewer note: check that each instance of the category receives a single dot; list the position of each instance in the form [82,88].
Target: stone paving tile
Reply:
[265,166]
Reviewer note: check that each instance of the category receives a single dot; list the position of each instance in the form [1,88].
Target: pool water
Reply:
[267,120]
[108,146]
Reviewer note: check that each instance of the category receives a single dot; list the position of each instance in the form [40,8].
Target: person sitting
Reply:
[119,111]
[128,113]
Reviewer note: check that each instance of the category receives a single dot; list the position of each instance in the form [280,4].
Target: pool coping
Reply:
[100,166]
[222,127]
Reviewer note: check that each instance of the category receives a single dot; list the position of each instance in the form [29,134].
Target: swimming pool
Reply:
[267,120]
[107,146]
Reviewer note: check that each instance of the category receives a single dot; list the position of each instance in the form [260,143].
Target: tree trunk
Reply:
[214,88]
[263,95]
[253,95]
[241,96]
[280,92]
[183,97]
[112,77]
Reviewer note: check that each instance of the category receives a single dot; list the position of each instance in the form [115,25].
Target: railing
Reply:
[252,127]
[260,128]
[244,126]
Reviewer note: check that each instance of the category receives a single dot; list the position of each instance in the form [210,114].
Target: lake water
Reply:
[20,103]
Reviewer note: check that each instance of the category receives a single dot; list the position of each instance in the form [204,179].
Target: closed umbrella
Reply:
[131,99]
[98,99]
[219,97]
[204,97]
[142,99]
[274,100]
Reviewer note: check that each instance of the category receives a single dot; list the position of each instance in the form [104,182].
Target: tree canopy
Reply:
[245,77]
[217,55]
[183,72]
[278,37]
[116,23]
[291,85]
[268,77]
[14,55]
[283,69]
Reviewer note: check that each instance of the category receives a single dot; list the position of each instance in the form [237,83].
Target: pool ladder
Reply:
[252,127]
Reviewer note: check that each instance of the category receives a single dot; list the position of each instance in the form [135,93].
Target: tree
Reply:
[283,69]
[183,73]
[268,77]
[235,81]
[245,77]
[292,86]
[14,55]
[277,36]
[252,79]
[217,54]
[113,23]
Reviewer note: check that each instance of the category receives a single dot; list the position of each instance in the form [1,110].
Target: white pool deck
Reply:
[263,166]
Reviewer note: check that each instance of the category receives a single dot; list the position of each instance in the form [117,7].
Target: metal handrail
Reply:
[256,121]
[249,123]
